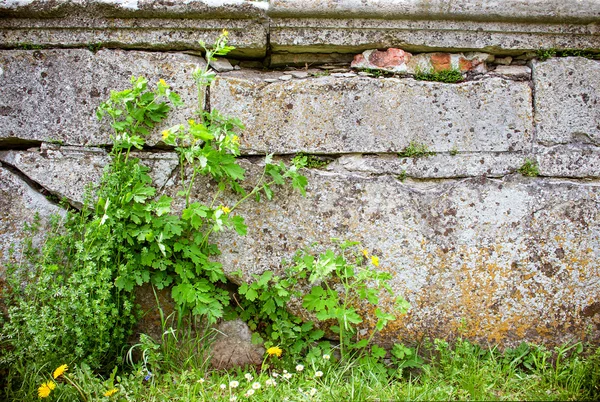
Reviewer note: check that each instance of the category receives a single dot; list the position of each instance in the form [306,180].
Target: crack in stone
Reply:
[34,185]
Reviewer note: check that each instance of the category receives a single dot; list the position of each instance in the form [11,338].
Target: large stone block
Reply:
[496,260]
[567,100]
[66,171]
[19,203]
[366,115]
[138,24]
[52,95]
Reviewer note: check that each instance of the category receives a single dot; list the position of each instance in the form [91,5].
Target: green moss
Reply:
[402,176]
[545,54]
[448,76]
[530,168]
[415,150]
[311,161]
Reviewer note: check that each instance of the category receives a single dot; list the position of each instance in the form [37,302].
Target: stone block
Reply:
[66,171]
[497,260]
[19,203]
[138,24]
[299,35]
[368,115]
[567,101]
[52,95]
[569,161]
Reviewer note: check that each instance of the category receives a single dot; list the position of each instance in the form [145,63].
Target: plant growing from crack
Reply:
[158,245]
[530,168]
[415,150]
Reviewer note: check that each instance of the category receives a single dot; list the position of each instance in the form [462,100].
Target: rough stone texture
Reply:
[65,171]
[233,346]
[18,205]
[323,36]
[440,166]
[518,72]
[138,24]
[342,115]
[569,161]
[567,100]
[52,95]
[505,260]
[583,11]
[398,61]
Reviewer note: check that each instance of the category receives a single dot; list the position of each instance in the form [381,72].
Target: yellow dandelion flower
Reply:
[111,392]
[225,209]
[366,253]
[60,371]
[45,389]
[375,260]
[274,350]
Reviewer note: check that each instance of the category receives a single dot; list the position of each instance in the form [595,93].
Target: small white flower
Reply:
[233,384]
[233,398]
[284,371]
[250,392]
[201,381]
[299,367]
[326,357]
[287,376]
[275,374]
[271,382]
[248,376]
[256,385]
[319,374]
[223,386]
[312,392]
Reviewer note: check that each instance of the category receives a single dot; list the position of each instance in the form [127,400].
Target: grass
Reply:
[463,371]
[415,150]
[448,76]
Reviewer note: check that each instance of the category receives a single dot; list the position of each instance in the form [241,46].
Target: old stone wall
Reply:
[477,248]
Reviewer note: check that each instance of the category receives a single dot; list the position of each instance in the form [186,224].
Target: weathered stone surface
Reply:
[398,61]
[322,36]
[510,10]
[221,65]
[137,24]
[345,115]
[66,170]
[440,166]
[567,100]
[18,205]
[569,161]
[233,346]
[518,72]
[505,260]
[52,95]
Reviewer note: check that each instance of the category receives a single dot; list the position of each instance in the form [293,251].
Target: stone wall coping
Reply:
[582,11]
[197,9]
[564,11]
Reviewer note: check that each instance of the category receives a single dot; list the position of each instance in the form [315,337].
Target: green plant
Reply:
[94,47]
[309,161]
[402,175]
[63,303]
[448,76]
[545,54]
[530,168]
[454,151]
[415,150]
[156,244]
